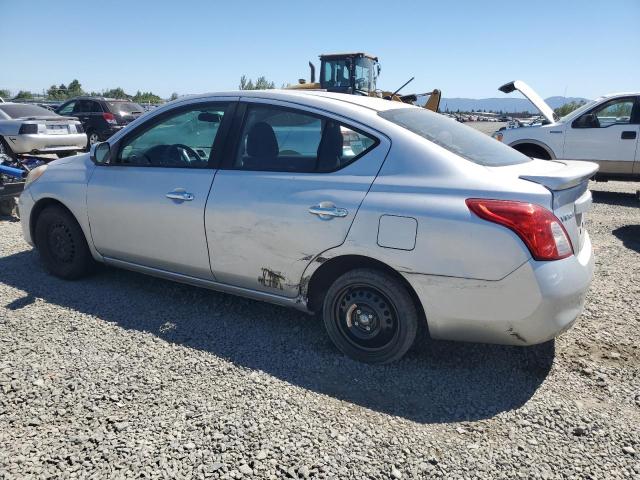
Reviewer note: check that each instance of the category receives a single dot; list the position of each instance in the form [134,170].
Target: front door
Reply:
[147,205]
[290,190]
[607,135]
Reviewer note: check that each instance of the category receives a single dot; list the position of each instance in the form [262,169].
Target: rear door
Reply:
[607,135]
[292,183]
[146,207]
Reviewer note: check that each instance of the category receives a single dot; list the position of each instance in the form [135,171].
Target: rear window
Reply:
[126,107]
[25,110]
[464,141]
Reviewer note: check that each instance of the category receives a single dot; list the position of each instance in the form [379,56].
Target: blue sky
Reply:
[465,48]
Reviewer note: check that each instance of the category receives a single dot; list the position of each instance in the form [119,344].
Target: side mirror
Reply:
[588,120]
[100,153]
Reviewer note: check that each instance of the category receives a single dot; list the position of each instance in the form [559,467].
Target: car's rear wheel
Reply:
[92,138]
[62,245]
[5,149]
[370,316]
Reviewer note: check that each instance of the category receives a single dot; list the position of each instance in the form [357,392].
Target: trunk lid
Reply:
[568,182]
[532,96]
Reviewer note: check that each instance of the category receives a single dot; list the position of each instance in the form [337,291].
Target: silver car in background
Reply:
[383,217]
[28,128]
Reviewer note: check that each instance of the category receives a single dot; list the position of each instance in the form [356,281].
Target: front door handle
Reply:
[327,210]
[180,195]
[628,135]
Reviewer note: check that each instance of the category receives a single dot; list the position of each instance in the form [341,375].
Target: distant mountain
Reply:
[505,104]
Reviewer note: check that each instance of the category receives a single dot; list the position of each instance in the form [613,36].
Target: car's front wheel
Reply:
[370,316]
[62,245]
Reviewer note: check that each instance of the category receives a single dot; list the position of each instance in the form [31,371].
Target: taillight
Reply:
[28,128]
[540,230]
[109,117]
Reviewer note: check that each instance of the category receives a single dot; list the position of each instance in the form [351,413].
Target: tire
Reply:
[62,245]
[5,149]
[7,206]
[534,152]
[92,137]
[370,316]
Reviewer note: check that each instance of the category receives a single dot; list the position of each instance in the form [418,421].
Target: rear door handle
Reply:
[327,211]
[181,195]
[628,135]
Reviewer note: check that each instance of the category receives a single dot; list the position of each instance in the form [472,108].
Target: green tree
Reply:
[146,97]
[174,96]
[74,89]
[54,93]
[23,95]
[4,93]
[568,108]
[118,93]
[261,83]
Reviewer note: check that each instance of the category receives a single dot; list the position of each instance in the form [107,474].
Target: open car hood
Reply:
[527,91]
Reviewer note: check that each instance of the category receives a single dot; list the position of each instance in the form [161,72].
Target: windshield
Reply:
[125,107]
[364,75]
[25,110]
[579,111]
[336,74]
[464,141]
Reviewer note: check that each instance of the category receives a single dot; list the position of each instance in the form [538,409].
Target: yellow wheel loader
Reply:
[356,73]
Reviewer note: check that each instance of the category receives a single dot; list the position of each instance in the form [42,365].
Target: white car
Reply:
[379,215]
[604,131]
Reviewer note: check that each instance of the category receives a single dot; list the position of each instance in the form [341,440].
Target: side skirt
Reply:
[299,303]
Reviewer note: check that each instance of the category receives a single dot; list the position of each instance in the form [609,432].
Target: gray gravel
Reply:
[122,376]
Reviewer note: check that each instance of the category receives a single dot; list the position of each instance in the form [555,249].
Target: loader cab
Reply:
[354,73]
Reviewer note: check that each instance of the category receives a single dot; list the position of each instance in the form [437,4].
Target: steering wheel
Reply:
[188,153]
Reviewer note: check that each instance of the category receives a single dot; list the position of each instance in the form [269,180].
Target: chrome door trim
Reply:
[299,302]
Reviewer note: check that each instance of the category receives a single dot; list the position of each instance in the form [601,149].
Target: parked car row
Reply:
[465,117]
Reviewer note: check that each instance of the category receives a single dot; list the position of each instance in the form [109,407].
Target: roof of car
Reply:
[619,94]
[371,103]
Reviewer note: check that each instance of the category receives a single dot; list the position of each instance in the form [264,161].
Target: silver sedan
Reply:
[382,217]
[27,128]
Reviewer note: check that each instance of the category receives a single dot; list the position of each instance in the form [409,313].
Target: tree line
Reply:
[74,89]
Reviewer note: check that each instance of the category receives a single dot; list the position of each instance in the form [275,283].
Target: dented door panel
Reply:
[260,232]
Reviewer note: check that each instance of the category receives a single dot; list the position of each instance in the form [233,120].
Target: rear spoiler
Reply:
[574,174]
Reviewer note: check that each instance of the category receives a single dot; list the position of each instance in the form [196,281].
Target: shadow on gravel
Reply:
[439,382]
[630,236]
[623,199]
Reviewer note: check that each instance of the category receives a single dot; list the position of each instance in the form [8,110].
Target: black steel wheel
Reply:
[370,316]
[62,245]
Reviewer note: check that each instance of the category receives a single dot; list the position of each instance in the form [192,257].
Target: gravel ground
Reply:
[122,375]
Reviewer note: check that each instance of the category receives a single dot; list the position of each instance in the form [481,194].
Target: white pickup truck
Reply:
[604,131]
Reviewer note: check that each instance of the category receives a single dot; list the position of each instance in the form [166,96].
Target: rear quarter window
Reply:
[451,135]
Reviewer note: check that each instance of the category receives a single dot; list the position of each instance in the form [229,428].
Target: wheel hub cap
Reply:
[366,317]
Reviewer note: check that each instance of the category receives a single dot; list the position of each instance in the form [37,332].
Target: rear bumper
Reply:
[42,143]
[533,304]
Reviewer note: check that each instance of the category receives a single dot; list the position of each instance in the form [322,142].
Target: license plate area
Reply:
[54,129]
